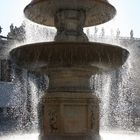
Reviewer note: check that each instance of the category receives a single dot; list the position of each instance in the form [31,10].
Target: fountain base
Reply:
[71,138]
[69,116]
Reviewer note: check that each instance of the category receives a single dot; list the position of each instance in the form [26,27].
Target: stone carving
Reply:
[11,28]
[102,32]
[52,116]
[118,33]
[0,29]
[94,116]
[17,33]
[92,119]
[69,24]
[95,31]
[131,34]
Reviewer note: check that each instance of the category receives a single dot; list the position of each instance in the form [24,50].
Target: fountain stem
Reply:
[69,24]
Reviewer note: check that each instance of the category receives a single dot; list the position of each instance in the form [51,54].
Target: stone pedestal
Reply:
[69,24]
[69,116]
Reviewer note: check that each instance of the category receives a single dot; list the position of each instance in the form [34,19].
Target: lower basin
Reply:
[50,55]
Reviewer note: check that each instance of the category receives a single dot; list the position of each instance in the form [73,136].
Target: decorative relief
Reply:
[94,116]
[69,24]
[53,119]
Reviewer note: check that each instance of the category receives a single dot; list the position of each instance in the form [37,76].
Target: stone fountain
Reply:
[69,110]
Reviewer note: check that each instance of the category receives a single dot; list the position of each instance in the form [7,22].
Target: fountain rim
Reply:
[69,42]
[87,24]
[42,60]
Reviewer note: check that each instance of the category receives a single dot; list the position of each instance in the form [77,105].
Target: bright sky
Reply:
[127,18]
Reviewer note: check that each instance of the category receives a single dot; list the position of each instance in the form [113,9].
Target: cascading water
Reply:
[117,99]
[19,110]
[102,87]
[111,88]
[33,29]
[37,84]
[107,89]
[108,86]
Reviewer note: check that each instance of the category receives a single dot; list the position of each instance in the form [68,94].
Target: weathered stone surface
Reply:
[45,57]
[43,11]
[69,24]
[67,114]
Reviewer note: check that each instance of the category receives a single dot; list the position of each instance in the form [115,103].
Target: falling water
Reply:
[116,91]
[125,106]
[33,100]
[19,98]
[28,87]
[36,33]
[102,87]
[37,84]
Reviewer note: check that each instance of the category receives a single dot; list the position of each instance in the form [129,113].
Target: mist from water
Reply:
[117,95]
[104,136]
[116,90]
[36,33]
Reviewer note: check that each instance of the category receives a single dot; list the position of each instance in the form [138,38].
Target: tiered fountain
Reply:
[69,111]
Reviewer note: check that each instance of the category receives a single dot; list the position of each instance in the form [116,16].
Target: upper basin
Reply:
[43,11]
[49,55]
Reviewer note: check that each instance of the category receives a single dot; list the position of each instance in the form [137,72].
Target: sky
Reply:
[127,18]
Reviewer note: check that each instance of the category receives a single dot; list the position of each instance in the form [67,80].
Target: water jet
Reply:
[69,109]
